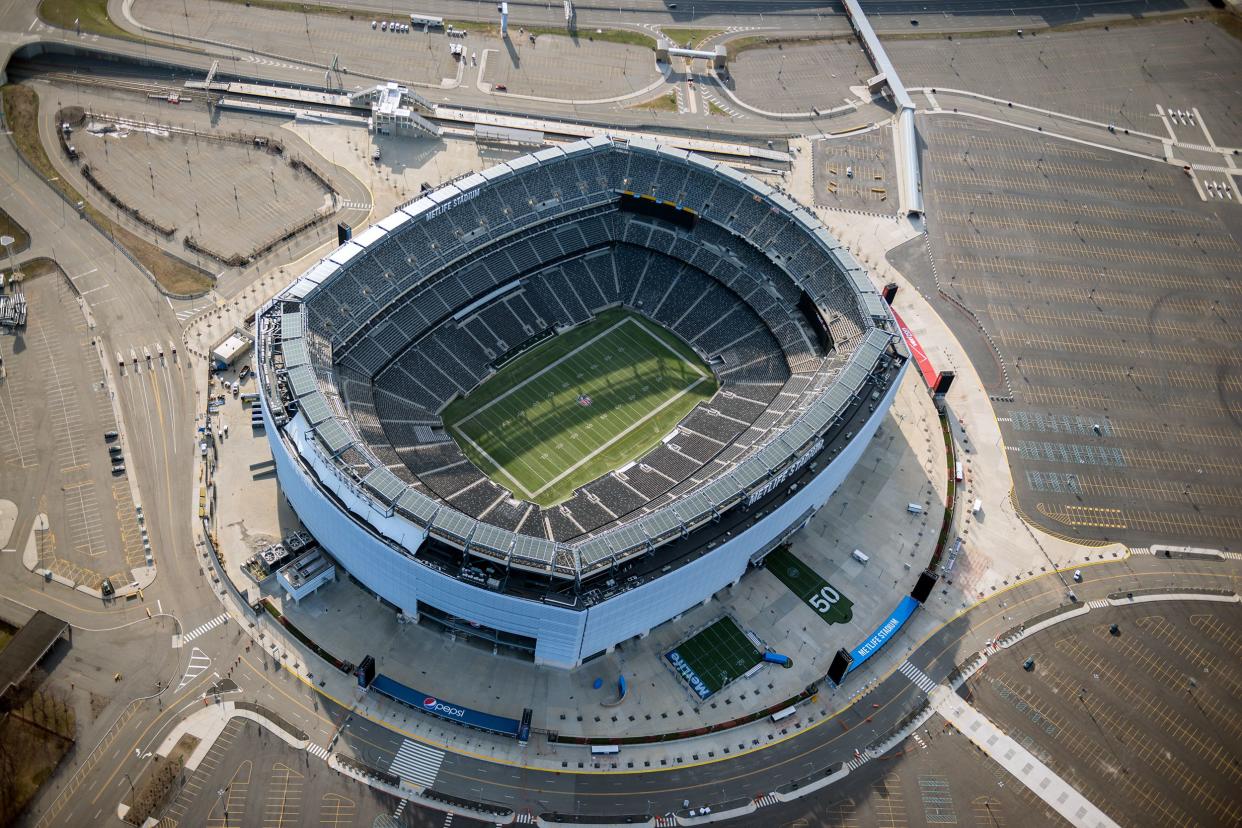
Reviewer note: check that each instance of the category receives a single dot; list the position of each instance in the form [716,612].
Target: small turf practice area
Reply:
[579,405]
[831,606]
[715,656]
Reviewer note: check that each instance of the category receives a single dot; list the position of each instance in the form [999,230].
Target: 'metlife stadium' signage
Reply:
[796,465]
[687,672]
[451,203]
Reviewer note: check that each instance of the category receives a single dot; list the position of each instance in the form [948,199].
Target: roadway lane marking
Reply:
[199,661]
[417,763]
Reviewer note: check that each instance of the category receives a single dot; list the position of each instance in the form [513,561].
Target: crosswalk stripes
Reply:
[1098,603]
[354,205]
[318,750]
[400,808]
[182,640]
[857,762]
[919,741]
[448,819]
[417,763]
[917,676]
[766,800]
[665,821]
[523,818]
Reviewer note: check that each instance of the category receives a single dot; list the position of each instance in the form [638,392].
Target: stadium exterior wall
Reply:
[564,636]
[638,610]
[404,582]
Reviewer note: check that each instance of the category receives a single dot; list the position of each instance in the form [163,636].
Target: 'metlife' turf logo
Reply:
[584,400]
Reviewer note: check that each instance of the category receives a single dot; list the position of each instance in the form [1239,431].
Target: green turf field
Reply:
[831,606]
[713,657]
[579,405]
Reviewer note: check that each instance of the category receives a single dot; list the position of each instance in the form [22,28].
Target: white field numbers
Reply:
[823,600]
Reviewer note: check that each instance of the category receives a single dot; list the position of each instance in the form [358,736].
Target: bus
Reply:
[427,21]
[784,714]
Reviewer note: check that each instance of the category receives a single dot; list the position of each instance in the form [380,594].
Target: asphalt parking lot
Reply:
[799,77]
[414,55]
[55,408]
[1116,75]
[936,778]
[251,777]
[856,172]
[1107,286]
[229,197]
[1144,723]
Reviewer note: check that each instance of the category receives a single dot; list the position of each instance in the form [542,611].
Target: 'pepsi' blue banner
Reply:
[884,632]
[439,708]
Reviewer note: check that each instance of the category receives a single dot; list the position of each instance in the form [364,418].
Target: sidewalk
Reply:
[904,464]
[1020,762]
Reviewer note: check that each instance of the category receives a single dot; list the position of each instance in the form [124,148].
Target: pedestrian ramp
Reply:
[417,763]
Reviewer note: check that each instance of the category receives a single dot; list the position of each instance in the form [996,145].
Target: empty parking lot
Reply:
[1109,294]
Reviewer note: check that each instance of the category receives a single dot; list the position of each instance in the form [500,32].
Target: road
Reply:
[745,773]
[158,408]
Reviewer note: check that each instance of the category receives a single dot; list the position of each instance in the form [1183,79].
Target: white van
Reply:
[977,506]
[914,509]
[858,555]
[958,474]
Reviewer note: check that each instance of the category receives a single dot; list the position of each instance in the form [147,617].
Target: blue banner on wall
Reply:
[444,710]
[884,632]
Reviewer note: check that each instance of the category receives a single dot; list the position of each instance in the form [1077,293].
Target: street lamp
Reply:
[133,797]
[7,243]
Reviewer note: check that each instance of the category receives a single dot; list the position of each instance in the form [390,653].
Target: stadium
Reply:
[559,402]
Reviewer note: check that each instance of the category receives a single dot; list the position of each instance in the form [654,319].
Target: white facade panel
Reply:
[642,608]
[403,581]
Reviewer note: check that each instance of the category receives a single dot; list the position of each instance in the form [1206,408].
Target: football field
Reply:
[579,405]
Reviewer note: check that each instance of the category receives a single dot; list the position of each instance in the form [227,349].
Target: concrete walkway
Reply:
[1020,762]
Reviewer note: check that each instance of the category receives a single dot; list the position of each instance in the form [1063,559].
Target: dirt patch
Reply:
[35,735]
[156,784]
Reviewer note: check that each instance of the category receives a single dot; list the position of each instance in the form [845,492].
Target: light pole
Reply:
[132,796]
[7,243]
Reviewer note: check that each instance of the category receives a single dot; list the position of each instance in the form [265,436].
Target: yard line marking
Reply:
[546,369]
[499,468]
[417,763]
[683,392]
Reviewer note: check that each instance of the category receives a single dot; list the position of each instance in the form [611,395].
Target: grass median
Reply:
[84,15]
[21,110]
